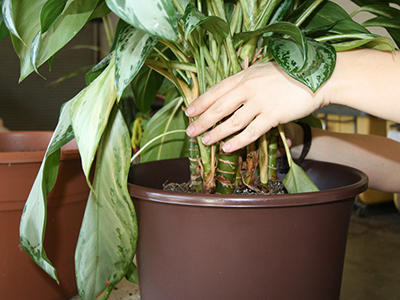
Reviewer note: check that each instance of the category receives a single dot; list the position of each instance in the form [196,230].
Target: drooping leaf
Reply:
[90,111]
[170,117]
[145,87]
[33,220]
[156,17]
[26,19]
[194,18]
[50,13]
[132,49]
[9,20]
[297,181]
[107,240]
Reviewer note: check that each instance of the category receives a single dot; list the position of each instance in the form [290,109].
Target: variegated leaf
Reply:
[8,18]
[132,49]
[156,17]
[194,18]
[90,111]
[107,240]
[26,20]
[169,118]
[33,220]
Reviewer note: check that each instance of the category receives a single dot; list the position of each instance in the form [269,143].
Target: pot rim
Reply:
[343,193]
[68,151]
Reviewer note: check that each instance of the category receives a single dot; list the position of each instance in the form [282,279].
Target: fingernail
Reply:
[205,139]
[189,111]
[190,130]
[226,147]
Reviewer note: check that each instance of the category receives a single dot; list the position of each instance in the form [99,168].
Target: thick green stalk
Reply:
[196,169]
[273,155]
[263,161]
[226,171]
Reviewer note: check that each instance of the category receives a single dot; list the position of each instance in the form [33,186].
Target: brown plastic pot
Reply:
[21,154]
[237,247]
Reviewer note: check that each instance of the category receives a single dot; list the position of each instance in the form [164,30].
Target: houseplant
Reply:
[194,45]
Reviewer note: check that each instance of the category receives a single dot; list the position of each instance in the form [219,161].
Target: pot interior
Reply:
[336,182]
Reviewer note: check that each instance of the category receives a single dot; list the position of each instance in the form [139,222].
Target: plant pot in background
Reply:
[21,154]
[242,247]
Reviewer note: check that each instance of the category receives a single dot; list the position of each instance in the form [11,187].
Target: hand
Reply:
[256,99]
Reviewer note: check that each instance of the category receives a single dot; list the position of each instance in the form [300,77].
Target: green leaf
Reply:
[89,112]
[132,274]
[107,240]
[367,41]
[314,70]
[98,69]
[26,19]
[312,120]
[283,28]
[3,28]
[33,220]
[50,13]
[297,181]
[101,10]
[194,18]
[156,17]
[133,47]
[7,11]
[145,87]
[380,10]
[383,22]
[170,117]
[330,13]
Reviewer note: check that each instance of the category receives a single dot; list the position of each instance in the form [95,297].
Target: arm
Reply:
[263,96]
[377,156]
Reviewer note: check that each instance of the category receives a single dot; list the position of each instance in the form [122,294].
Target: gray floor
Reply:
[372,263]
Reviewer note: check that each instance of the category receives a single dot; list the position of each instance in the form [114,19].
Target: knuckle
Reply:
[251,131]
[234,121]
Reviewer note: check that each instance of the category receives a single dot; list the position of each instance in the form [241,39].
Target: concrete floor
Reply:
[372,262]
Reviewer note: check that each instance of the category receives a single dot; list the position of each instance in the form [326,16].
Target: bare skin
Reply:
[263,96]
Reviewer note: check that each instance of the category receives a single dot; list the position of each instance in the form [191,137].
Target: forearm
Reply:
[367,80]
[377,156]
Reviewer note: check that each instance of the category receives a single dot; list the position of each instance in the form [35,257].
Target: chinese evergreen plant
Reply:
[193,44]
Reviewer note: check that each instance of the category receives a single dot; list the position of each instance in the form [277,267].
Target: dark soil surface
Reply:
[274,187]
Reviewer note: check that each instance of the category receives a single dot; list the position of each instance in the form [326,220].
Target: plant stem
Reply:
[273,155]
[155,139]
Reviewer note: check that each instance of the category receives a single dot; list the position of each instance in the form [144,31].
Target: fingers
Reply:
[225,105]
[251,133]
[236,122]
[204,101]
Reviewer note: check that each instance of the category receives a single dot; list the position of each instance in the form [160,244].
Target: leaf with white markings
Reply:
[156,17]
[107,240]
[33,220]
[133,47]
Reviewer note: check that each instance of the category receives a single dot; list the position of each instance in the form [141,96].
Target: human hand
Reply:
[256,99]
